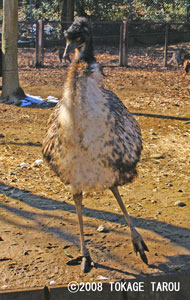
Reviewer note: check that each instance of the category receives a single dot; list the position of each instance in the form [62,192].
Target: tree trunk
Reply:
[11,90]
[188,10]
[70,11]
[67,10]
[80,8]
[37,4]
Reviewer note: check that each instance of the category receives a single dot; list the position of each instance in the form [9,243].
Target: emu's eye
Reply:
[78,39]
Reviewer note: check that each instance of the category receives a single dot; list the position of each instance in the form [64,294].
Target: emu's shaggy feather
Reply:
[93,141]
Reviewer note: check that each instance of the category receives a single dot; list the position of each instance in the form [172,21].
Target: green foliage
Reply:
[165,10]
[107,10]
[48,10]
[111,10]
[155,10]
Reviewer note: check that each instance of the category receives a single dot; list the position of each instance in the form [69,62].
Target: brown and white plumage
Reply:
[92,141]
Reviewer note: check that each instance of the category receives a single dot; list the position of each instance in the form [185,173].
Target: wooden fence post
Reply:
[39,43]
[121,46]
[166,46]
[123,51]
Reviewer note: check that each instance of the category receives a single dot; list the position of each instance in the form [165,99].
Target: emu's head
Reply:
[78,36]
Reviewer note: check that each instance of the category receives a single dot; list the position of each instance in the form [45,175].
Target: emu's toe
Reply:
[85,261]
[140,246]
[75,261]
[86,264]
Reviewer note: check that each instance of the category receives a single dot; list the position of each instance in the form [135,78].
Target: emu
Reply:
[92,140]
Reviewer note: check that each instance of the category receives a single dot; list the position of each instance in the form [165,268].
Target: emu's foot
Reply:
[85,261]
[74,261]
[140,246]
[87,264]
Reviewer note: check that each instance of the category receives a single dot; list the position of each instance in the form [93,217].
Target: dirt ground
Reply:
[39,229]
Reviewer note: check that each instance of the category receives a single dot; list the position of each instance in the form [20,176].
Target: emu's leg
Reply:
[138,243]
[86,259]
[67,58]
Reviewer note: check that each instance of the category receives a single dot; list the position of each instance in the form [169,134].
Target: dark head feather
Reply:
[79,27]
[79,36]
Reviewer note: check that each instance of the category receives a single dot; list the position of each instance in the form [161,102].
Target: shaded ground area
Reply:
[39,229]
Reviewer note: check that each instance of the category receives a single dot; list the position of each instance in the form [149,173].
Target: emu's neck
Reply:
[85,52]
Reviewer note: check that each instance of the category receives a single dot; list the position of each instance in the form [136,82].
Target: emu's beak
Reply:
[68,49]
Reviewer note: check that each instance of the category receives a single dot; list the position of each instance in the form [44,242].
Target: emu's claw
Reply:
[140,246]
[86,264]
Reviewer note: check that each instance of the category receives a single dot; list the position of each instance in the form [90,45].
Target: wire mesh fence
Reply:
[145,42]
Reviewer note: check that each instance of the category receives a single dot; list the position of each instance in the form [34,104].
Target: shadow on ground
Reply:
[169,231]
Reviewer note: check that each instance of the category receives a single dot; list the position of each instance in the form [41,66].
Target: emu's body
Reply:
[92,142]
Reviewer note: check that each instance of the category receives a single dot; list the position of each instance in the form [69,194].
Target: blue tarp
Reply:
[38,101]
